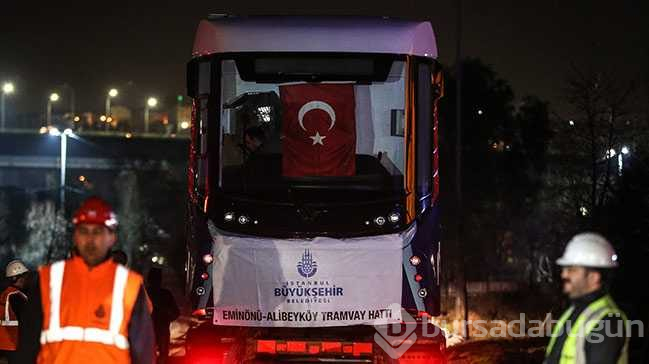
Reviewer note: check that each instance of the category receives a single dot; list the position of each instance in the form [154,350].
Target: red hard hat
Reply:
[94,210]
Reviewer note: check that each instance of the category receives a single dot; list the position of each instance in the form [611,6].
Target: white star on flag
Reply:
[317,138]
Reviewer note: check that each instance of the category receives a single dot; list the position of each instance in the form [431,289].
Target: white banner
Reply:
[306,283]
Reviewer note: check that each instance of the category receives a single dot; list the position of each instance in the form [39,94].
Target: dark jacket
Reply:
[600,348]
[18,302]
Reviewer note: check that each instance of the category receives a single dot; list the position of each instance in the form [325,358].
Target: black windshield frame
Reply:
[423,140]
[388,187]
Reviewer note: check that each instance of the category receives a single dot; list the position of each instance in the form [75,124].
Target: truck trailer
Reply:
[313,220]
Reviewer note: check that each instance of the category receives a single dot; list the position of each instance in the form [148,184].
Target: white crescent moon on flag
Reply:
[313,105]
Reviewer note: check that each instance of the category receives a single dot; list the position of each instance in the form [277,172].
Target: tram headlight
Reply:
[229,216]
[415,260]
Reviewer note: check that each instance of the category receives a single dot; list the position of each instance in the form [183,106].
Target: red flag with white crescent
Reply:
[319,130]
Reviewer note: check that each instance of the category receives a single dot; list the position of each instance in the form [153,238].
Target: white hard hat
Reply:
[589,250]
[16,268]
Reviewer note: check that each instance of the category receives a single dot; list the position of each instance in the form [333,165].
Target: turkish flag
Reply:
[319,130]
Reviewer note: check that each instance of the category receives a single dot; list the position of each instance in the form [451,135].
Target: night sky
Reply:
[145,46]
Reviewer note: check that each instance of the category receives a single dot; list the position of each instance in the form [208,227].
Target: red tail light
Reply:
[332,347]
[266,346]
[199,312]
[296,346]
[362,348]
[313,348]
[348,348]
[417,357]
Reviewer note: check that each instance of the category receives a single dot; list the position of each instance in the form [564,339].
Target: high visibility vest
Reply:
[573,351]
[9,322]
[86,312]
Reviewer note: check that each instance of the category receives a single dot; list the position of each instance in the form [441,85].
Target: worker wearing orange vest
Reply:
[12,300]
[92,310]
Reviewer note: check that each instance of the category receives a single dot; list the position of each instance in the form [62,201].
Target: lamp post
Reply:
[63,160]
[151,102]
[54,97]
[620,159]
[7,89]
[111,94]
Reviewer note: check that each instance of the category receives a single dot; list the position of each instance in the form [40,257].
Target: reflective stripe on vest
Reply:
[573,350]
[56,333]
[7,321]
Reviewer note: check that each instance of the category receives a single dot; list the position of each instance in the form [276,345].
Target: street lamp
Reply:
[111,94]
[620,159]
[54,97]
[63,160]
[7,89]
[151,102]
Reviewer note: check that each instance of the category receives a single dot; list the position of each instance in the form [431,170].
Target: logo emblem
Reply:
[396,339]
[307,267]
[100,312]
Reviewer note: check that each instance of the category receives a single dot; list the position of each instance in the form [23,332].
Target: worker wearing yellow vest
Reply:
[12,301]
[91,309]
[593,329]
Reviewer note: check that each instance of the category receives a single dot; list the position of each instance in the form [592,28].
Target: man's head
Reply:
[16,272]
[94,230]
[585,264]
[253,138]
[580,281]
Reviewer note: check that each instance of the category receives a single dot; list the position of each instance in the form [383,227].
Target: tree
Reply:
[533,119]
[504,153]
[13,202]
[504,157]
[129,211]
[150,207]
[589,144]
[47,239]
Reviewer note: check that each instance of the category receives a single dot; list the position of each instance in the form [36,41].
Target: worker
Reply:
[12,302]
[165,310]
[91,309]
[593,329]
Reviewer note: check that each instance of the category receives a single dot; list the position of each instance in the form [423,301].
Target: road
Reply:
[505,351]
[476,352]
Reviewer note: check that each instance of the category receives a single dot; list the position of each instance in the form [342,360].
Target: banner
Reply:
[306,283]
